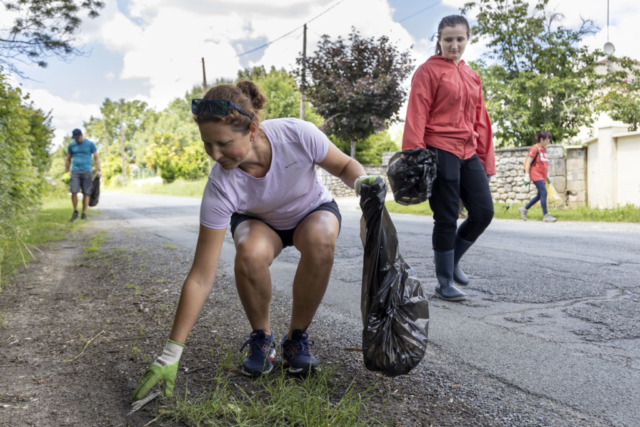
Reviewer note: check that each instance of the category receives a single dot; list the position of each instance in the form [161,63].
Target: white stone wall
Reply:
[506,186]
[337,188]
[576,176]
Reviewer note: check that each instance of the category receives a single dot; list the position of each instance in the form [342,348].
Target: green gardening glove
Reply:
[165,369]
[66,177]
[548,180]
[363,180]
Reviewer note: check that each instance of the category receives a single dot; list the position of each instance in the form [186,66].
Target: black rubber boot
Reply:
[461,247]
[444,272]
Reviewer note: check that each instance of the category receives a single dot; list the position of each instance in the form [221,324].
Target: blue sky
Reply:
[151,49]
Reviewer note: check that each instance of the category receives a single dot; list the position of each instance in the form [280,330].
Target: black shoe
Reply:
[461,247]
[74,216]
[84,216]
[444,272]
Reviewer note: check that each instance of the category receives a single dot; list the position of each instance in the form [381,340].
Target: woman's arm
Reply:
[199,282]
[420,99]
[484,146]
[344,167]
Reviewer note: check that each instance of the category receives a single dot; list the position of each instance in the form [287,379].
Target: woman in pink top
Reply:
[447,115]
[265,185]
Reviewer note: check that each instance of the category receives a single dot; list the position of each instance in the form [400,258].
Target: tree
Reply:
[356,87]
[281,90]
[121,121]
[41,29]
[621,96]
[540,78]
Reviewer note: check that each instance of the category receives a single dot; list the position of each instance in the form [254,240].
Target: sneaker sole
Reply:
[299,371]
[272,356]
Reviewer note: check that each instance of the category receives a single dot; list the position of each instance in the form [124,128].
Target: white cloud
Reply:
[66,115]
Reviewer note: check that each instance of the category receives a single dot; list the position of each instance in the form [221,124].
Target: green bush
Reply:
[25,136]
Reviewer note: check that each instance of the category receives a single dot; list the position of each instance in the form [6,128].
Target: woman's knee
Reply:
[253,256]
[481,217]
[319,245]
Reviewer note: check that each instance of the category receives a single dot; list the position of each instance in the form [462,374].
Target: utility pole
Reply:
[204,77]
[304,69]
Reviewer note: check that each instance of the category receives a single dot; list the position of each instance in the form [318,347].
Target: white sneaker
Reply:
[549,218]
[523,213]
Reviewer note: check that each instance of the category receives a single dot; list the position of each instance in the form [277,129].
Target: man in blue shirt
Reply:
[81,150]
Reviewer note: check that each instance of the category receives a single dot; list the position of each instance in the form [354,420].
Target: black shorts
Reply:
[286,235]
[81,180]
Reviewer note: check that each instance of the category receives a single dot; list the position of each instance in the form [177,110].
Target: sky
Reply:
[151,50]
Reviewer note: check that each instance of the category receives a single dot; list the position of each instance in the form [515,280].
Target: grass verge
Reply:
[50,223]
[629,213]
[279,399]
[179,187]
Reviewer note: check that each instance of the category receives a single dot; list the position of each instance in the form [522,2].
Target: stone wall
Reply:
[568,175]
[337,188]
[576,176]
[507,185]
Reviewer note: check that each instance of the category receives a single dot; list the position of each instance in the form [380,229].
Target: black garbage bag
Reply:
[395,311]
[95,192]
[411,174]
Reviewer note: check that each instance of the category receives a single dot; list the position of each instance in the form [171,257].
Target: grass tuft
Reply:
[48,224]
[278,399]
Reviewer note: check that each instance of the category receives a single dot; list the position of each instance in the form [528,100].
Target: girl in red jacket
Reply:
[447,115]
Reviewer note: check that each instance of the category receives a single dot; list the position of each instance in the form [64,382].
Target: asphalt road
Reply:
[554,308]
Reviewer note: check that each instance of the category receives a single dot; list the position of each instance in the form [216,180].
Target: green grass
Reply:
[179,187]
[279,399]
[95,243]
[50,223]
[627,213]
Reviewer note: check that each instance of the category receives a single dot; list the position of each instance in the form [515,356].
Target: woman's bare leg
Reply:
[315,238]
[257,246]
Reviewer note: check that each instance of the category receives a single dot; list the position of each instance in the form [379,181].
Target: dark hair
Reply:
[451,21]
[245,95]
[543,134]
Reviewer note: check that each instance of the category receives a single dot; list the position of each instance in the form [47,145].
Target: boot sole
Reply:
[464,298]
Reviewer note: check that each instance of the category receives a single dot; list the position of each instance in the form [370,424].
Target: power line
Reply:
[420,11]
[290,32]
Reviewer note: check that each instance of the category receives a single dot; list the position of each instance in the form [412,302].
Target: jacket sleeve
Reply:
[420,99]
[482,126]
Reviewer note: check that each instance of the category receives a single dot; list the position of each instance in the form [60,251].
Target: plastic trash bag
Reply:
[553,198]
[411,174]
[95,192]
[395,311]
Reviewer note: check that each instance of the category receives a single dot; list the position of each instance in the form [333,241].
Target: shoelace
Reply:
[257,344]
[301,346]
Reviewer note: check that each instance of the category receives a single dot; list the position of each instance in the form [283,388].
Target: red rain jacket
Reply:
[446,106]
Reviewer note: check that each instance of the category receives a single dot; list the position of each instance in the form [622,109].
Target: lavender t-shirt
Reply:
[290,190]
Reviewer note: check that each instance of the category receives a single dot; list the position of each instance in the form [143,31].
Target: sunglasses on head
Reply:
[217,107]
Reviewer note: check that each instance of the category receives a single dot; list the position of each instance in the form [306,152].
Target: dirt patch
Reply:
[121,288]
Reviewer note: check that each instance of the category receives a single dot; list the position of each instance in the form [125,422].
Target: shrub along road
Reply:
[549,336]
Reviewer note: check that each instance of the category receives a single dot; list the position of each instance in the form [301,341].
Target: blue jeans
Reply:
[542,196]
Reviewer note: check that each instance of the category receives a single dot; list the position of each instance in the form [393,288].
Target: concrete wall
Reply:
[628,170]
[613,168]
